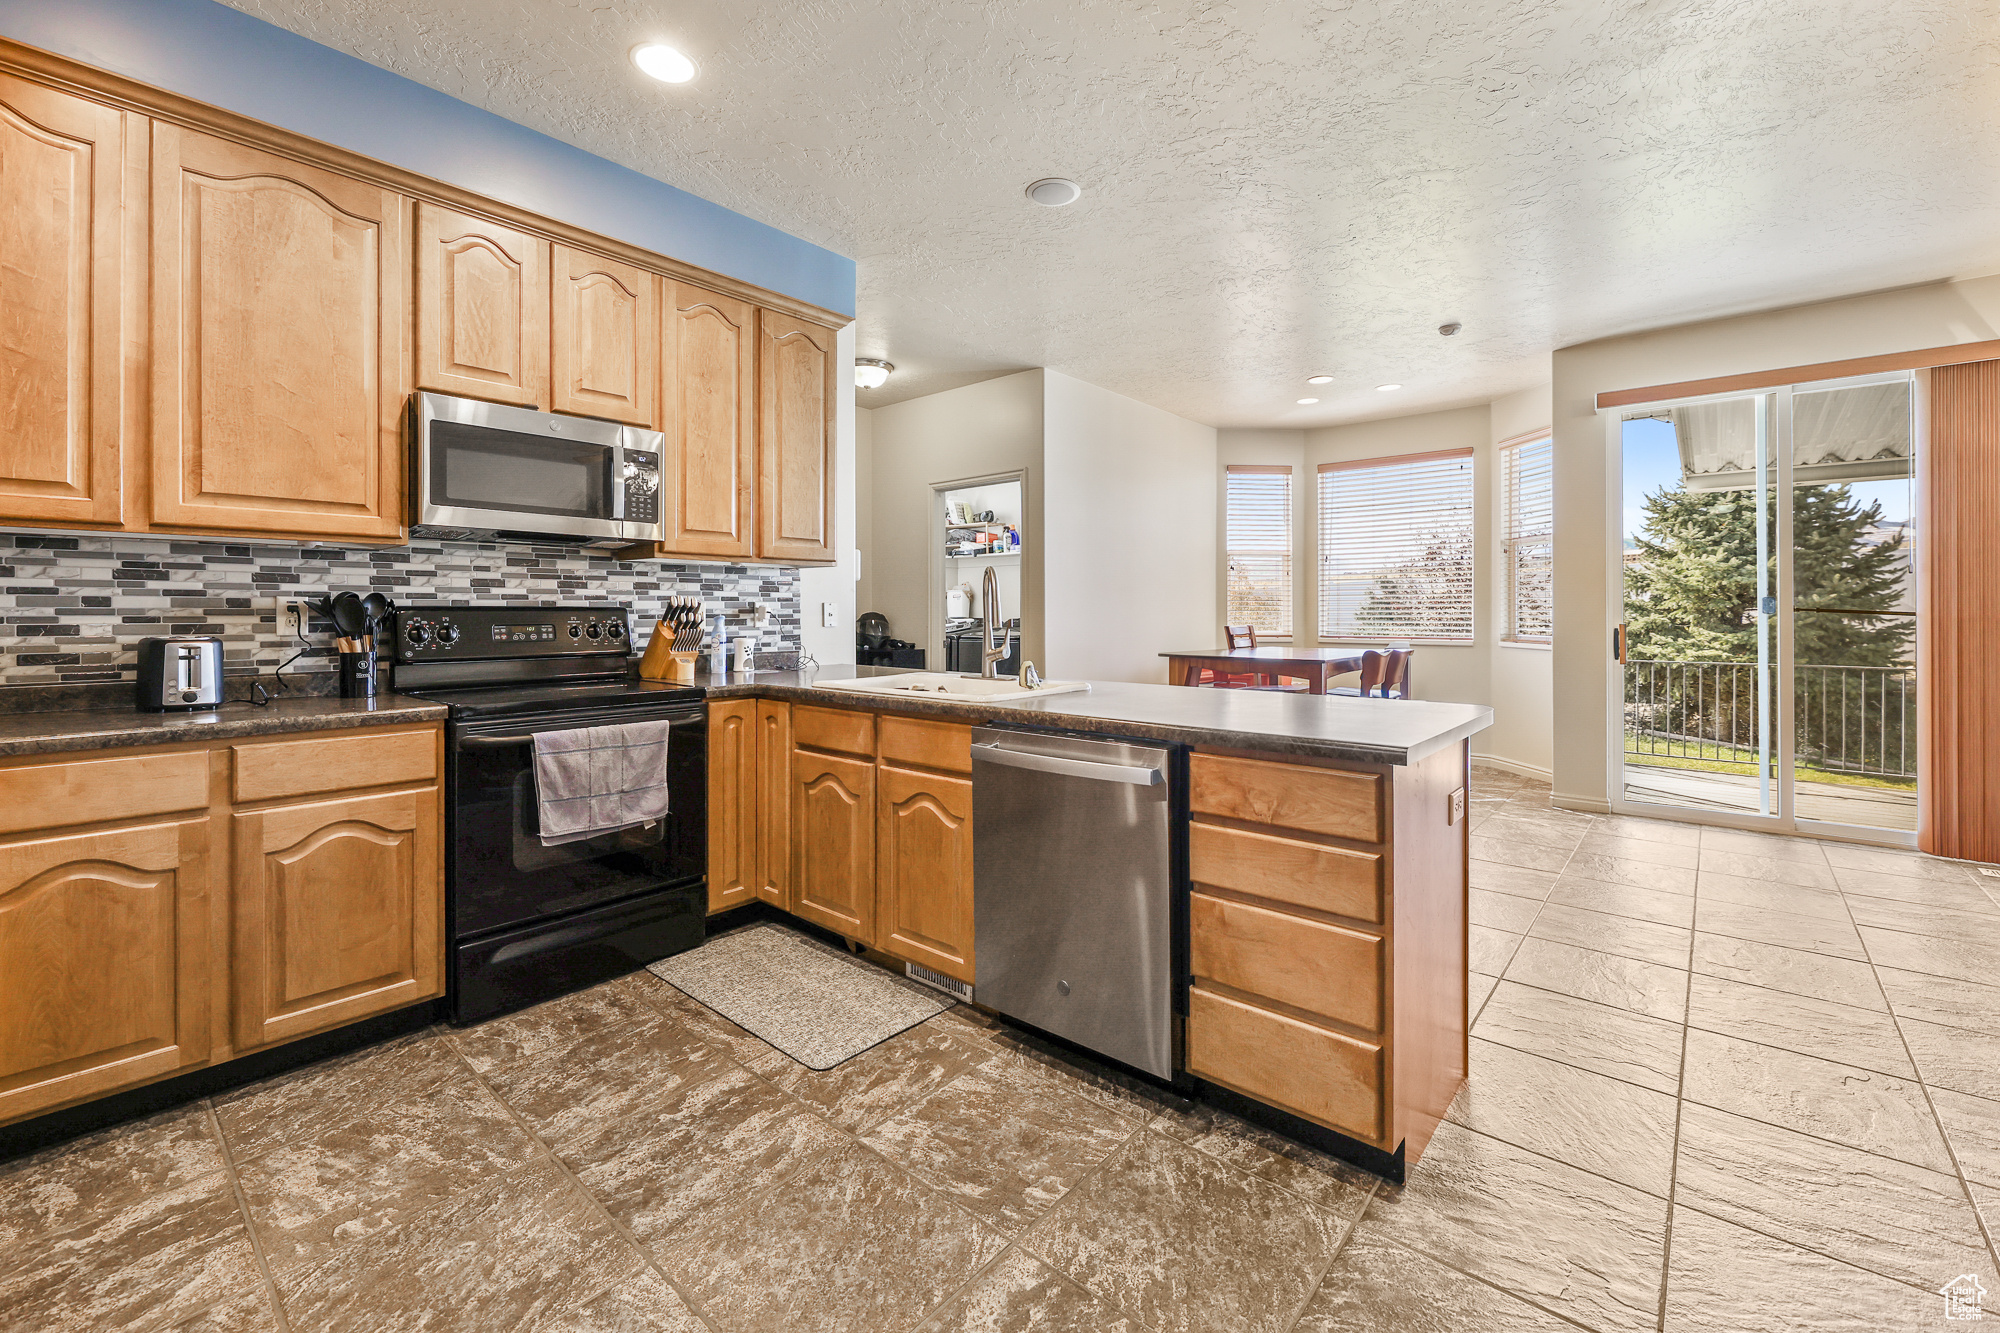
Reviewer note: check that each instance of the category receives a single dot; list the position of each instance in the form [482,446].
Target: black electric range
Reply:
[528,922]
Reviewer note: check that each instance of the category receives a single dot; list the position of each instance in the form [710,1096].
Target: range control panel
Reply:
[466,633]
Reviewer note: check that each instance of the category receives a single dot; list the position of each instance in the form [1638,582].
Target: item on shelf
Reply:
[983,516]
[746,653]
[718,647]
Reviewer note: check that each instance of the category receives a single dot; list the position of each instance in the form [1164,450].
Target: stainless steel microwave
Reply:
[484,472]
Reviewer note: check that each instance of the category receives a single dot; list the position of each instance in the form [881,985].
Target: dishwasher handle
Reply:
[994,753]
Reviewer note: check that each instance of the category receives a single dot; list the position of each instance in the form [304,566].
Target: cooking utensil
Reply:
[348,616]
[377,607]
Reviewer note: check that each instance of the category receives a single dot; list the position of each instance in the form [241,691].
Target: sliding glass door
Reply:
[1767,606]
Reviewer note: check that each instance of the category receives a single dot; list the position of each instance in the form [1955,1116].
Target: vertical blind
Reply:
[1395,548]
[1528,539]
[1258,546]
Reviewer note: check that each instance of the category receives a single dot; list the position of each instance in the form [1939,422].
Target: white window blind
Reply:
[1395,548]
[1258,544]
[1528,535]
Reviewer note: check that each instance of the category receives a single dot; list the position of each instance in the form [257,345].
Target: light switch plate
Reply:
[829,614]
[1989,872]
[1456,809]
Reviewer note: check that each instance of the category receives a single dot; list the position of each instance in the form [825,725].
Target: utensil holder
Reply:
[658,664]
[357,675]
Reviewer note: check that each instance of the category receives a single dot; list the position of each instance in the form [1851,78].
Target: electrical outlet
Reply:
[1989,872]
[1456,810]
[829,614]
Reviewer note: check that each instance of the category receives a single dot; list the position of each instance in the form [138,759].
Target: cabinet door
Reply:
[774,803]
[795,372]
[338,907]
[606,326]
[923,851]
[61,205]
[482,309]
[711,424]
[278,300]
[833,843]
[732,804]
[104,962]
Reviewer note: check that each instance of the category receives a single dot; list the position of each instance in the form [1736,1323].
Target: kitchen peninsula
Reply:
[1325,850]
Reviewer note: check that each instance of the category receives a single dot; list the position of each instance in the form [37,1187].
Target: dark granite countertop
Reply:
[1371,731]
[56,730]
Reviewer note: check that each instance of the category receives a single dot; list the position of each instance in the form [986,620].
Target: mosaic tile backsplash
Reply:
[76,607]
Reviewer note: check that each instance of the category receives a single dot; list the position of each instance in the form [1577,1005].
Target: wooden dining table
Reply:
[1315,666]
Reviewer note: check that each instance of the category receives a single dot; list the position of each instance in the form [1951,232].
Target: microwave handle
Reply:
[617,483]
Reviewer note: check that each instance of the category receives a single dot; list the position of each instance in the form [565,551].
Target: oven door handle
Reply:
[488,742]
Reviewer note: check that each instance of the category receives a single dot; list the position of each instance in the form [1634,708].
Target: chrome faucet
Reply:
[993,630]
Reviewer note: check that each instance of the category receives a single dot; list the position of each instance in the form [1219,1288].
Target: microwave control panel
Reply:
[466,633]
[642,487]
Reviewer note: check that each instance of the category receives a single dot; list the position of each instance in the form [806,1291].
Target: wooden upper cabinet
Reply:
[482,309]
[278,348]
[61,207]
[711,424]
[104,954]
[606,326]
[337,908]
[796,380]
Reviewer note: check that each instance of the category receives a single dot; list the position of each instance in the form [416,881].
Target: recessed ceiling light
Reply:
[1054,192]
[1319,379]
[1307,402]
[663,62]
[1387,388]
[871,372]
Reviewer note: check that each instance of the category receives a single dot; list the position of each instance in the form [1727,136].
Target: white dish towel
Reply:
[598,780]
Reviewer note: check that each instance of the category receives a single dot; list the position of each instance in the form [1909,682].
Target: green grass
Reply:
[1801,772]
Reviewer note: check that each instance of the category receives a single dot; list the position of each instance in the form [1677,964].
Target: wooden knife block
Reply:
[661,662]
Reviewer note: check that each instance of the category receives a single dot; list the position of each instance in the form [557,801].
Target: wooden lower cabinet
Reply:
[774,803]
[156,914]
[923,868]
[104,961]
[732,804]
[833,842]
[337,914]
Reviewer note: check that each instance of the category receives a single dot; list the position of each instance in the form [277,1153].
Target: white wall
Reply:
[1128,523]
[962,434]
[835,583]
[1908,319]
[864,507]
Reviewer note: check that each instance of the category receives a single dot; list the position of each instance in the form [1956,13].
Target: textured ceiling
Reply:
[1273,190]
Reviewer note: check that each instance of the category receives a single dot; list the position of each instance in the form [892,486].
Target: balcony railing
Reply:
[1857,720]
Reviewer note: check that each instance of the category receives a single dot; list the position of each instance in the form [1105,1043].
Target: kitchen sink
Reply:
[945,685]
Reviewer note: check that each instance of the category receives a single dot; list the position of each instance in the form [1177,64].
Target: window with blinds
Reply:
[1395,548]
[1528,539]
[1257,542]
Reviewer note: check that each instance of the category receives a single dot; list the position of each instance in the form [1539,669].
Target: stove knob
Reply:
[615,628]
[447,634]
[418,633]
[575,630]
[594,630]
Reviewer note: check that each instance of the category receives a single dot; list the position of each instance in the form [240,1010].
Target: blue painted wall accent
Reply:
[208,51]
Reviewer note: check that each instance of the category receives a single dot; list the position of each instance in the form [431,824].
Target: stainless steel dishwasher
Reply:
[1072,865]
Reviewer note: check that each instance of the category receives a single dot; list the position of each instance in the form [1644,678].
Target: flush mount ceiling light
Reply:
[663,62]
[1054,192]
[871,372]
[1319,379]
[1307,402]
[1387,388]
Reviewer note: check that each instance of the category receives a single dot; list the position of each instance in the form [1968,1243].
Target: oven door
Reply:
[485,467]
[502,876]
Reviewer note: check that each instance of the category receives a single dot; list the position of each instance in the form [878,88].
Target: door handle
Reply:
[1069,768]
[1618,644]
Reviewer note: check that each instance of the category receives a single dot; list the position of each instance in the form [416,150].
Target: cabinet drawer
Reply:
[41,796]
[1305,964]
[278,769]
[1312,800]
[945,745]
[1304,874]
[834,729]
[1307,1070]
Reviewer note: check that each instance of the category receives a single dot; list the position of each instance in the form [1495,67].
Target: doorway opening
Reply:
[979,527]
[1767,607]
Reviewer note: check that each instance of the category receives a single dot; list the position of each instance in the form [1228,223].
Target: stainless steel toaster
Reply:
[179,673]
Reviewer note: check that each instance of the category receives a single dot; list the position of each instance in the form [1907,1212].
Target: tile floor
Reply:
[1719,1082]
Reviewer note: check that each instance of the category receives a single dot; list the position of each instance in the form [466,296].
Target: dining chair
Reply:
[1383,675]
[1233,638]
